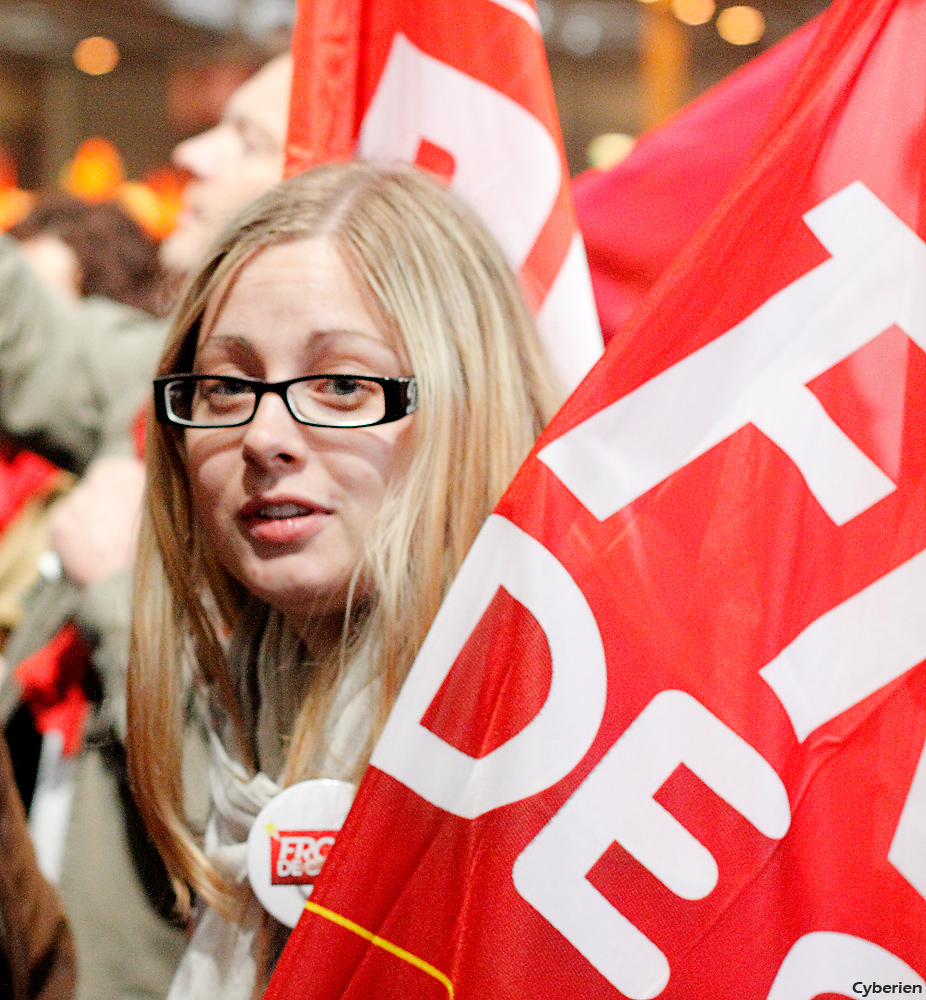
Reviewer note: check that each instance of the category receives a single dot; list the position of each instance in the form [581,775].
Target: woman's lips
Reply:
[281,519]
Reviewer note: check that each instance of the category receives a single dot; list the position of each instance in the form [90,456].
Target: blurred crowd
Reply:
[86,907]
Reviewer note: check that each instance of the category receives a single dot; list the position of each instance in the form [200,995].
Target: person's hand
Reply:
[56,263]
[94,529]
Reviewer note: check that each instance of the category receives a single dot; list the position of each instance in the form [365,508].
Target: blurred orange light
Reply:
[15,205]
[96,172]
[167,182]
[740,25]
[693,11]
[9,174]
[143,205]
[96,55]
[155,208]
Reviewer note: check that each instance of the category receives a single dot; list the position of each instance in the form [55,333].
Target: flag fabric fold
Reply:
[665,737]
[637,217]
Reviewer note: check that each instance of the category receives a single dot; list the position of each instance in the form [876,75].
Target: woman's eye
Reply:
[343,386]
[340,390]
[222,393]
[227,387]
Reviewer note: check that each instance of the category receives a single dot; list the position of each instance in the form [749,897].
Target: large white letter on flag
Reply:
[559,736]
[615,805]
[423,99]
[758,372]
[824,962]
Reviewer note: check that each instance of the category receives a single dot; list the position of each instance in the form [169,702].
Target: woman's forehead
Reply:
[298,296]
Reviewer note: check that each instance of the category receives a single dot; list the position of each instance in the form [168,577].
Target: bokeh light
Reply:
[693,11]
[606,151]
[740,25]
[581,34]
[95,173]
[96,55]
[15,205]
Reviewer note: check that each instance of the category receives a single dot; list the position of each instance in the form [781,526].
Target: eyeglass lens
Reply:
[329,400]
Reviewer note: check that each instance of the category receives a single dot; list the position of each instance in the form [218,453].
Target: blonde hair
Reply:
[428,268]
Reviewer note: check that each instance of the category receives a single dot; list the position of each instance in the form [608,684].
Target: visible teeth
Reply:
[282,510]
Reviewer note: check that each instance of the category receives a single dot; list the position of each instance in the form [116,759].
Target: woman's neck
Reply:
[321,633]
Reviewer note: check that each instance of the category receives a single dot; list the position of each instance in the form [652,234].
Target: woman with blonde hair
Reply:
[352,380]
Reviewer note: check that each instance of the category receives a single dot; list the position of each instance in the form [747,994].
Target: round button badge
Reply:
[289,841]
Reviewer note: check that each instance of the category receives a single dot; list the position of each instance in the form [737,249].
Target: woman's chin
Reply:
[304,604]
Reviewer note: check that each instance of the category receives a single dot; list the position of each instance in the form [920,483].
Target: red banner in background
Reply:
[637,217]
[463,90]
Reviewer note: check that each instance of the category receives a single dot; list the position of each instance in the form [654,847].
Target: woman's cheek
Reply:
[213,504]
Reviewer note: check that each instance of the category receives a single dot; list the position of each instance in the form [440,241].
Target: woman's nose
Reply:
[274,437]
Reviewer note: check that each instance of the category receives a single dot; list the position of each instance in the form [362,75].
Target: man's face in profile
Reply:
[233,163]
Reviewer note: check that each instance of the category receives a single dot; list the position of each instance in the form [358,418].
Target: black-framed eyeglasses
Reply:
[316,400]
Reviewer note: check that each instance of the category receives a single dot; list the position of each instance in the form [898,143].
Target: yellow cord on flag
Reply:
[393,949]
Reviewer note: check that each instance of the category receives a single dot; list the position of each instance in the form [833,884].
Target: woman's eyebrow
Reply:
[343,332]
[326,340]
[317,349]
[236,347]
[234,339]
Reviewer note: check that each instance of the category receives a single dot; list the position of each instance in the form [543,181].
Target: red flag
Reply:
[463,90]
[52,681]
[636,217]
[666,735]
[23,476]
